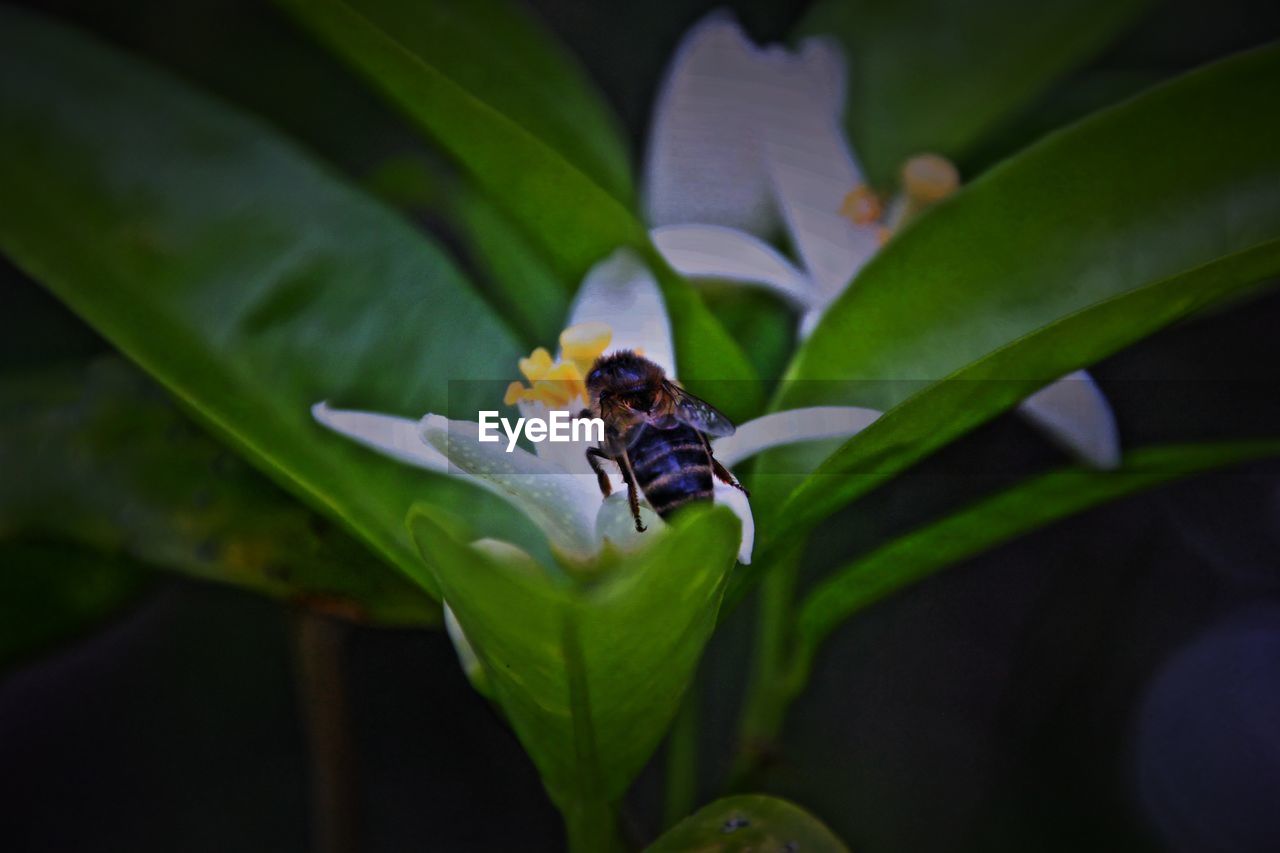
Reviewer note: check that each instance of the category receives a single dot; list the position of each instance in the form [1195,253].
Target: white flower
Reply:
[619,306]
[746,140]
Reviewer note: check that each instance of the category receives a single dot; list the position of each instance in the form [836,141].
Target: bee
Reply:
[655,432]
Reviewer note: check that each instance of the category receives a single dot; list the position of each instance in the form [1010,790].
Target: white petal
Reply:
[396,437]
[810,164]
[810,186]
[741,506]
[1076,415]
[824,61]
[615,525]
[809,321]
[564,505]
[714,251]
[621,293]
[703,162]
[467,657]
[792,426]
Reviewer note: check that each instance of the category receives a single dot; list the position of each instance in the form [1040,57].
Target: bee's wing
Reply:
[695,412]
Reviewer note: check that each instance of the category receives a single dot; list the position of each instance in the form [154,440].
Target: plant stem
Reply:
[592,826]
[318,645]
[772,682]
[682,761]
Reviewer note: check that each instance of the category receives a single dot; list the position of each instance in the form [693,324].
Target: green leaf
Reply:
[525,285]
[515,275]
[1064,254]
[494,92]
[995,520]
[749,822]
[241,274]
[498,94]
[751,314]
[51,593]
[99,456]
[934,75]
[590,673]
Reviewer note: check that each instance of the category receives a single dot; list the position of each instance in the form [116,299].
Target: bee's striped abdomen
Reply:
[672,467]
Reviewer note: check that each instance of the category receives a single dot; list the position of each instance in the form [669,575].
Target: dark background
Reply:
[1110,683]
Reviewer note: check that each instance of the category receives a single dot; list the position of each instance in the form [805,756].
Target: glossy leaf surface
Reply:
[495,92]
[1064,254]
[499,95]
[239,272]
[590,673]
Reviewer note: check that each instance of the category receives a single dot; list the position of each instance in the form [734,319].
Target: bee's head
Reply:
[623,380]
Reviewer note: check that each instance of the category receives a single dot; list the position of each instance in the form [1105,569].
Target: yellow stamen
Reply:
[582,344]
[561,384]
[536,365]
[928,178]
[861,205]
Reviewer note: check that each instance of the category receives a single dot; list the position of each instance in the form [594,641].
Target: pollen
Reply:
[561,384]
[861,205]
[929,178]
[556,383]
[536,365]
[582,344]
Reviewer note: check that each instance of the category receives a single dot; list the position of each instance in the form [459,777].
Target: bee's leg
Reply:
[722,473]
[594,455]
[633,491]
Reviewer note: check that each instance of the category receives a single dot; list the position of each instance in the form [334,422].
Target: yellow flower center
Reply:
[557,382]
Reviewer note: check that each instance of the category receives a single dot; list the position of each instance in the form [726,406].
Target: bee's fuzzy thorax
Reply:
[625,367]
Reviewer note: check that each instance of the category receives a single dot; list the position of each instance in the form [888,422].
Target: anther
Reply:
[929,178]
[861,205]
[584,342]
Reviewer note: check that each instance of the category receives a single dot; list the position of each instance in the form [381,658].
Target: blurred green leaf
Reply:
[1064,254]
[54,592]
[996,520]
[934,75]
[495,90]
[496,93]
[515,275]
[752,314]
[523,283]
[101,457]
[241,274]
[746,823]
[590,673]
